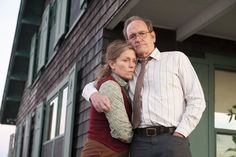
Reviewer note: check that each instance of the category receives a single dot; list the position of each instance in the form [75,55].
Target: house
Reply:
[59,46]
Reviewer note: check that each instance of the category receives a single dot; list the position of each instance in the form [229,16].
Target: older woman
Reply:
[110,133]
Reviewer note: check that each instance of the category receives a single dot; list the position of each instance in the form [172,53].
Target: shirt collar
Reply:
[119,80]
[156,54]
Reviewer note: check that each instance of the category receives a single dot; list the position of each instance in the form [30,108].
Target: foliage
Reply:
[232,113]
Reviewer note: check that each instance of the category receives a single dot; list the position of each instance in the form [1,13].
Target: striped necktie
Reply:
[137,102]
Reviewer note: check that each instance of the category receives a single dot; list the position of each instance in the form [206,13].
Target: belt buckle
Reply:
[151,131]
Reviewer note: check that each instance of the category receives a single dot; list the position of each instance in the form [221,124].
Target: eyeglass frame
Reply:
[141,34]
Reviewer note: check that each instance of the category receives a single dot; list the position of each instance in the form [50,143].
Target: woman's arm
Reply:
[119,123]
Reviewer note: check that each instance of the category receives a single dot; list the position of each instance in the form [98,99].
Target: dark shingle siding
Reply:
[83,45]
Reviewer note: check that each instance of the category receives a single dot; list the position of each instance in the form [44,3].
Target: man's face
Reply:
[141,38]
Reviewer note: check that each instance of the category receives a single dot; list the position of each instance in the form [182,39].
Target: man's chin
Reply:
[140,54]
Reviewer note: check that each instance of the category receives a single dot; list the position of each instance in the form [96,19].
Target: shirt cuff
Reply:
[88,90]
[182,131]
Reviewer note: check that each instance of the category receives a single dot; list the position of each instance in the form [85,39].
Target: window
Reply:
[42,43]
[225,89]
[53,106]
[60,108]
[32,129]
[43,38]
[52,29]
[63,111]
[54,25]
[33,60]
[22,140]
[77,9]
[56,114]
[224,143]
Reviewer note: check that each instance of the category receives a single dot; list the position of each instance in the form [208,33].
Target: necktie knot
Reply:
[143,61]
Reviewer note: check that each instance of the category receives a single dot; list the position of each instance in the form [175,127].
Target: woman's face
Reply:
[124,65]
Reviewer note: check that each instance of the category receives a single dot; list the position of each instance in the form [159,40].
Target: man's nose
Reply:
[138,37]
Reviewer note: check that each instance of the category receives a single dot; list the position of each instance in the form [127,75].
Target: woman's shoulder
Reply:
[110,84]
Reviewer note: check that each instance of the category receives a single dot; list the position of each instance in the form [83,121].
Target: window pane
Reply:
[63,110]
[225,142]
[22,140]
[52,30]
[75,10]
[222,121]
[32,130]
[53,118]
[225,89]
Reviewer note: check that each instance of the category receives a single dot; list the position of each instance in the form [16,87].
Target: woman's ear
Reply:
[111,64]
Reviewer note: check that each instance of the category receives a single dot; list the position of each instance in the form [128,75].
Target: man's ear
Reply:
[153,34]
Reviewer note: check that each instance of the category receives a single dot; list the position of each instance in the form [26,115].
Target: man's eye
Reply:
[132,36]
[142,33]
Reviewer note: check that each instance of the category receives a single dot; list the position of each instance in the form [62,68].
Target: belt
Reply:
[154,131]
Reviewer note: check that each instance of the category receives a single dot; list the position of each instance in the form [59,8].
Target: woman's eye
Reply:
[125,60]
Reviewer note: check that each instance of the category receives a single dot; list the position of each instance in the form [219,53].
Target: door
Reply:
[199,138]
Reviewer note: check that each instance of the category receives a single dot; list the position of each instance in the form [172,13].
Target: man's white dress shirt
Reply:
[171,95]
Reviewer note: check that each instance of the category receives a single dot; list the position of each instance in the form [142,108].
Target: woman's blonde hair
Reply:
[113,51]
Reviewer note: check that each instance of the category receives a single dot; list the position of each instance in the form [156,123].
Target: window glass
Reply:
[225,89]
[32,129]
[224,144]
[63,110]
[52,27]
[22,140]
[57,113]
[222,121]
[74,11]
[36,57]
[77,9]
[53,118]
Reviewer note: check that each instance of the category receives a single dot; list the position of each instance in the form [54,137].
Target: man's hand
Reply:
[100,103]
[178,135]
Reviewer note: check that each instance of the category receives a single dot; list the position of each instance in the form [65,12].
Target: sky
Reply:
[8,17]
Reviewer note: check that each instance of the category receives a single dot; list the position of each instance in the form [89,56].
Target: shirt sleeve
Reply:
[88,90]
[193,94]
[119,123]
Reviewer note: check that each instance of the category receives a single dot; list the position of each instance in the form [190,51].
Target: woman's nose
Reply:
[132,64]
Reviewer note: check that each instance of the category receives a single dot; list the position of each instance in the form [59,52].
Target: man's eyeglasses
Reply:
[134,36]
